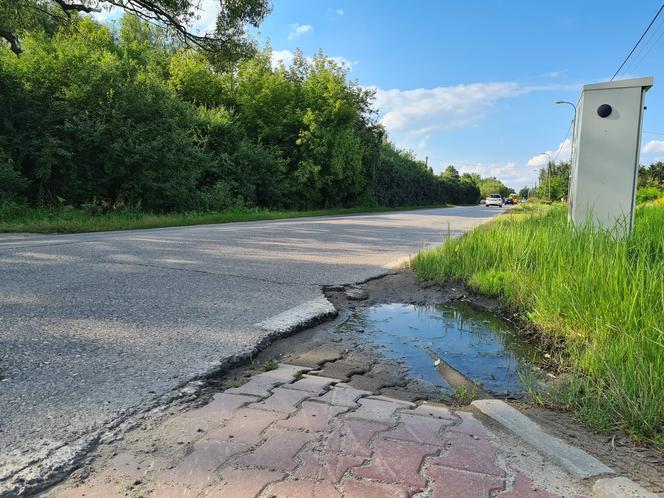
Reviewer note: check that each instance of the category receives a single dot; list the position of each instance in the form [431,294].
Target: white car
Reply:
[494,200]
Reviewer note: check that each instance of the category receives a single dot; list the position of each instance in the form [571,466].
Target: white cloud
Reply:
[654,147]
[409,115]
[562,153]
[339,12]
[413,118]
[297,30]
[510,173]
[206,19]
[109,13]
[286,58]
[342,61]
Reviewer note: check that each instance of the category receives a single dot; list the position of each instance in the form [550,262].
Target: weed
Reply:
[236,382]
[270,364]
[465,396]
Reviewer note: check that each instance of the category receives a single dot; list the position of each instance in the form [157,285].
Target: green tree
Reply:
[652,175]
[93,118]
[228,36]
[492,185]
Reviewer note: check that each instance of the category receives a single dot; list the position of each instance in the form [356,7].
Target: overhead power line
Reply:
[647,46]
[562,144]
[638,42]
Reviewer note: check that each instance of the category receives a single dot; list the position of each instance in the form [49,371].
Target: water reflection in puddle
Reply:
[480,345]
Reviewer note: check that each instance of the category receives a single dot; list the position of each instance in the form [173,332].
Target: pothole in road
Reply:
[459,349]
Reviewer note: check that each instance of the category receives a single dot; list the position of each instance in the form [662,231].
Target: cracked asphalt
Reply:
[92,325]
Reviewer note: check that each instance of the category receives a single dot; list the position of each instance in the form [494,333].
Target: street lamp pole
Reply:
[571,159]
[573,122]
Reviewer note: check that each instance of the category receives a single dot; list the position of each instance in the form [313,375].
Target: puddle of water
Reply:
[483,347]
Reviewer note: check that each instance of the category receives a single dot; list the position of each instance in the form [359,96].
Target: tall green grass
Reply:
[601,297]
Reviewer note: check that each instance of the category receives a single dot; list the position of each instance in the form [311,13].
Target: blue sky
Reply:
[473,83]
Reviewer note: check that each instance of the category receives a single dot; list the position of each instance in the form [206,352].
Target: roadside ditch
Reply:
[417,341]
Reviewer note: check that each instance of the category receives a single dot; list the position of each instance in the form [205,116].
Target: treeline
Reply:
[108,120]
[554,182]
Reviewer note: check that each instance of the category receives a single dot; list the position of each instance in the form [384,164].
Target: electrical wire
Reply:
[562,144]
[638,42]
[651,42]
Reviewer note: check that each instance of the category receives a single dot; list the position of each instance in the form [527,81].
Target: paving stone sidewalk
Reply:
[289,434]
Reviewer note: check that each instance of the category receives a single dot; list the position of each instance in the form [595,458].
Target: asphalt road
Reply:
[94,324]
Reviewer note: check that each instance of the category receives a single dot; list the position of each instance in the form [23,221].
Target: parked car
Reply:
[482,201]
[494,200]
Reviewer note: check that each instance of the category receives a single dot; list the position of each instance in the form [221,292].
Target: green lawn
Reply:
[602,299]
[69,220]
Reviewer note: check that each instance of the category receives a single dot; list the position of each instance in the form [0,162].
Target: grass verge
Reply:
[602,298]
[70,220]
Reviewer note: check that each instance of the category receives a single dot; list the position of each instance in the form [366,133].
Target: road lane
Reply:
[93,324]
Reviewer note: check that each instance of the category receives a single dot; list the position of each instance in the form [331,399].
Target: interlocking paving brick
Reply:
[377,410]
[469,425]
[311,383]
[92,490]
[245,426]
[213,414]
[343,396]
[418,429]
[353,437]
[283,373]
[448,483]
[433,410]
[407,404]
[320,354]
[321,466]
[243,483]
[297,444]
[313,416]
[279,450]
[257,386]
[128,466]
[524,488]
[175,492]
[302,489]
[198,468]
[465,452]
[282,400]
[369,489]
[262,384]
[397,462]
[343,369]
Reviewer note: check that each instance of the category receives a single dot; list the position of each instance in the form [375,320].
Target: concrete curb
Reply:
[576,461]
[298,317]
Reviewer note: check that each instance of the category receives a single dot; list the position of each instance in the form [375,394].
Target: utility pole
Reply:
[426,161]
[547,184]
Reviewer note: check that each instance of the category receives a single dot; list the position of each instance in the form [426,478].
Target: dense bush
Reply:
[93,117]
[646,194]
